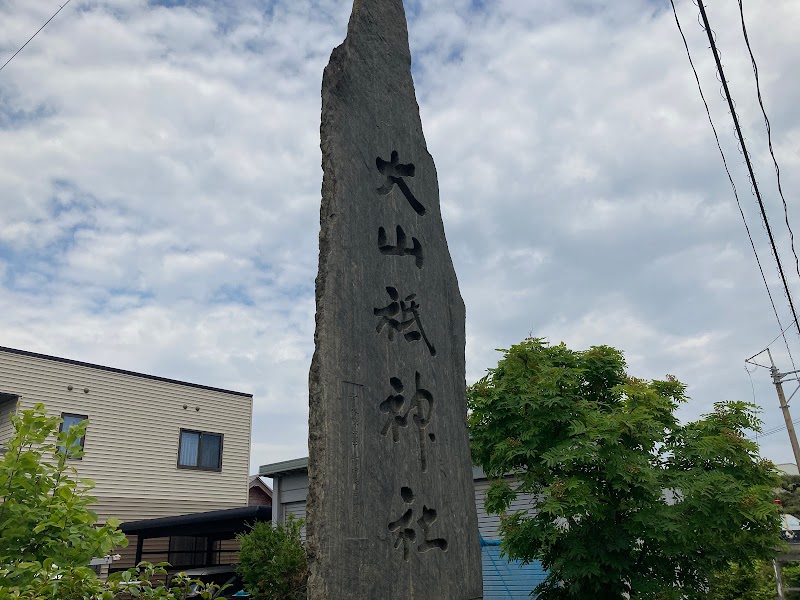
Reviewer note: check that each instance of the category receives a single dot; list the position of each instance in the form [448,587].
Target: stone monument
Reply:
[391,510]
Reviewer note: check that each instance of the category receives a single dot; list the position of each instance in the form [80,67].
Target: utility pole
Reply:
[777,379]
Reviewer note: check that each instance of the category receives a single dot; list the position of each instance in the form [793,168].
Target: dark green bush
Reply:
[272,561]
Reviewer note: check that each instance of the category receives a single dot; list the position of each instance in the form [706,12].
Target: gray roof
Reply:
[278,469]
[256,481]
[79,363]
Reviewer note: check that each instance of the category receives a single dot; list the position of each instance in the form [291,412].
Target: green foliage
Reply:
[754,580]
[48,534]
[791,578]
[600,450]
[45,511]
[272,561]
[789,494]
[81,583]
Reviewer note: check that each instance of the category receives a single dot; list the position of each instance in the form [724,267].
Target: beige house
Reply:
[155,447]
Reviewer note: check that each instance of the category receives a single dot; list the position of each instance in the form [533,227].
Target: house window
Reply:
[200,450]
[69,420]
[188,551]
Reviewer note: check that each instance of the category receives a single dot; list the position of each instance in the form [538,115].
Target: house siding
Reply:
[488,524]
[298,510]
[131,446]
[7,409]
[293,495]
[294,487]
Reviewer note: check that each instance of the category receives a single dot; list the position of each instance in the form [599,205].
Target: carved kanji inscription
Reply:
[400,315]
[395,171]
[406,526]
[398,410]
[400,248]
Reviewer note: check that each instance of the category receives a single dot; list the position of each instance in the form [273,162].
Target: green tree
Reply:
[48,534]
[791,578]
[600,452]
[754,580]
[272,561]
[44,509]
[789,494]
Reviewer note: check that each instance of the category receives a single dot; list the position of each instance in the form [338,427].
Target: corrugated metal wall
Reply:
[508,580]
[298,509]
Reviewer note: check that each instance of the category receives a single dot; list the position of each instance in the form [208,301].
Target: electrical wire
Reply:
[784,337]
[769,431]
[769,136]
[730,178]
[35,34]
[752,385]
[753,181]
[773,431]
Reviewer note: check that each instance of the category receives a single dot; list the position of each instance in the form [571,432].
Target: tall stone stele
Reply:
[391,511]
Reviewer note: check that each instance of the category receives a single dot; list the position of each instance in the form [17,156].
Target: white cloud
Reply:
[160,175]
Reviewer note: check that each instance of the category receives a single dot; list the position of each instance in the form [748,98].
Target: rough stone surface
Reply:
[391,511]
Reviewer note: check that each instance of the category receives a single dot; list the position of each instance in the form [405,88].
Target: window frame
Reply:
[83,437]
[198,466]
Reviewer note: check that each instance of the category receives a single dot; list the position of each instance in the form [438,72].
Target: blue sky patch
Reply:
[14,116]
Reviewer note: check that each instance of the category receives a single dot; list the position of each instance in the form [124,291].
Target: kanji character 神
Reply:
[421,404]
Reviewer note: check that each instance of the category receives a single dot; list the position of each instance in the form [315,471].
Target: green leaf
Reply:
[596,449]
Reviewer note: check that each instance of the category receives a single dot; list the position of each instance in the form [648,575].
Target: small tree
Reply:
[44,509]
[598,451]
[48,534]
[272,561]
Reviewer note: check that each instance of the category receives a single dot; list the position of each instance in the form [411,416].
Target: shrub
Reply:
[272,561]
[754,580]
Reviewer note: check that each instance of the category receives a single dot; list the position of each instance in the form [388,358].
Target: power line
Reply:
[773,431]
[738,129]
[769,136]
[35,34]
[766,349]
[730,179]
[784,337]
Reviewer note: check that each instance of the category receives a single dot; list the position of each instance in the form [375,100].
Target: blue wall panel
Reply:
[507,580]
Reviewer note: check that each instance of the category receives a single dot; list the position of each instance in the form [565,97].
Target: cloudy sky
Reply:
[160,176]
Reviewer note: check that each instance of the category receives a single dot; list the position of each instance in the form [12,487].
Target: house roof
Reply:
[120,371]
[279,469]
[5,397]
[227,522]
[257,482]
